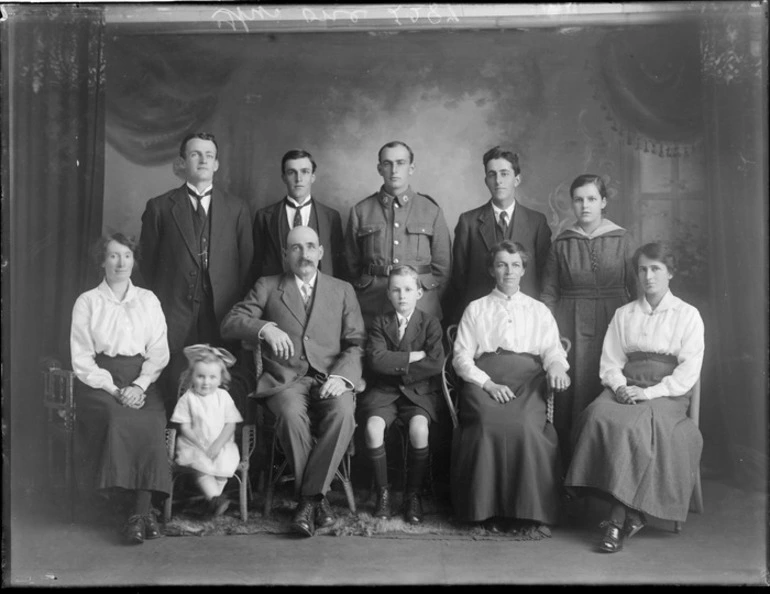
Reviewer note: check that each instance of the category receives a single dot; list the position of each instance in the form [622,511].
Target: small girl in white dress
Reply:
[207,416]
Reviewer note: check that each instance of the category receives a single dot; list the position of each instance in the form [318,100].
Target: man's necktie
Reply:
[199,210]
[307,291]
[504,223]
[297,213]
[402,322]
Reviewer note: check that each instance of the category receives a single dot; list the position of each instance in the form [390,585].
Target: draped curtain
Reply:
[648,84]
[55,107]
[162,88]
[734,78]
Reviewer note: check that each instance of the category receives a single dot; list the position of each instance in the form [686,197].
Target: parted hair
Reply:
[512,247]
[405,270]
[394,144]
[656,250]
[202,136]
[296,154]
[497,152]
[98,251]
[589,178]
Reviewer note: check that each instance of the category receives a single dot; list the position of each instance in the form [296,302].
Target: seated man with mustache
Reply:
[313,327]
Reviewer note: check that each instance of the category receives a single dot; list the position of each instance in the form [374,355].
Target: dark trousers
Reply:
[314,432]
[204,330]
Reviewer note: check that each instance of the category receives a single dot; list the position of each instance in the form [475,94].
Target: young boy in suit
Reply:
[405,354]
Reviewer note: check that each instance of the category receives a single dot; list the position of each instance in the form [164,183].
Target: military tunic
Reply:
[386,231]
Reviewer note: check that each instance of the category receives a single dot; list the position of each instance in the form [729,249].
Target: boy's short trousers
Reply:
[402,408]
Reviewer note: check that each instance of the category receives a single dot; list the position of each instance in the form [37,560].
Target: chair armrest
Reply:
[248,441]
[448,385]
[170,443]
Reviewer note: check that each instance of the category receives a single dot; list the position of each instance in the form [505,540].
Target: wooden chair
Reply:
[451,381]
[278,465]
[248,442]
[59,403]
[696,501]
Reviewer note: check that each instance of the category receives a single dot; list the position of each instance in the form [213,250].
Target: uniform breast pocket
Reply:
[420,237]
[369,238]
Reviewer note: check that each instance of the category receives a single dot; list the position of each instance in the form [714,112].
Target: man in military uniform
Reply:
[393,227]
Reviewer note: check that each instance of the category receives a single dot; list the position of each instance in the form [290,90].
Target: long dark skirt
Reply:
[645,455]
[505,459]
[118,446]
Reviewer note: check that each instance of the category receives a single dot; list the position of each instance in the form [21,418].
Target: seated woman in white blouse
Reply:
[505,462]
[635,444]
[119,347]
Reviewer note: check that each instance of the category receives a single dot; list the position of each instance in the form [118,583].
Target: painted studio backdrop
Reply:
[672,114]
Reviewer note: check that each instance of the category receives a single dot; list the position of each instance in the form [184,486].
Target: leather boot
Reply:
[324,515]
[412,508]
[382,508]
[304,518]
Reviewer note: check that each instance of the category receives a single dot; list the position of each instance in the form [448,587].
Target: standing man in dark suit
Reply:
[273,223]
[499,219]
[312,325]
[397,226]
[197,251]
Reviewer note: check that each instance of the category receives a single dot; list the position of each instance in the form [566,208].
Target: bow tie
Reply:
[193,194]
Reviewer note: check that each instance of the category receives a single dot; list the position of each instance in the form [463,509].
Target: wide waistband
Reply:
[505,352]
[642,356]
[593,292]
[377,270]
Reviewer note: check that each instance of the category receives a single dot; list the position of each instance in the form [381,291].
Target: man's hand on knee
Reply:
[333,387]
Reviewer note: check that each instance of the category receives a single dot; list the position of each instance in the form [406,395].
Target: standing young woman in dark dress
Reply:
[635,444]
[119,347]
[588,275]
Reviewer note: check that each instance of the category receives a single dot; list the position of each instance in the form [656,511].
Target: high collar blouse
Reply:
[672,328]
[515,323]
[102,323]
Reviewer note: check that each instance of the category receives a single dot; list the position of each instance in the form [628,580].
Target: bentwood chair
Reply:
[278,470]
[696,500]
[59,403]
[248,442]
[451,381]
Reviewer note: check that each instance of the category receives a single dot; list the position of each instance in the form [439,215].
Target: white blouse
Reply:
[101,323]
[517,323]
[672,328]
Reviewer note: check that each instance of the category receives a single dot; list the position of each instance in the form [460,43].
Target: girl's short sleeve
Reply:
[231,411]
[182,413]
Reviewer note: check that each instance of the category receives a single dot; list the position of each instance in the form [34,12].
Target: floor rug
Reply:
[437,524]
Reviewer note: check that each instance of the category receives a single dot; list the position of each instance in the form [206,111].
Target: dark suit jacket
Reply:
[268,243]
[388,357]
[331,340]
[475,236]
[170,265]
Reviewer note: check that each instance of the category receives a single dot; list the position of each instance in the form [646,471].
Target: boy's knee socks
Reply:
[417,461]
[379,465]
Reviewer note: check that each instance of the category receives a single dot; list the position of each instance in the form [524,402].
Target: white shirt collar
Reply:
[508,210]
[516,297]
[400,317]
[105,289]
[669,301]
[294,204]
[194,189]
[205,201]
[300,282]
